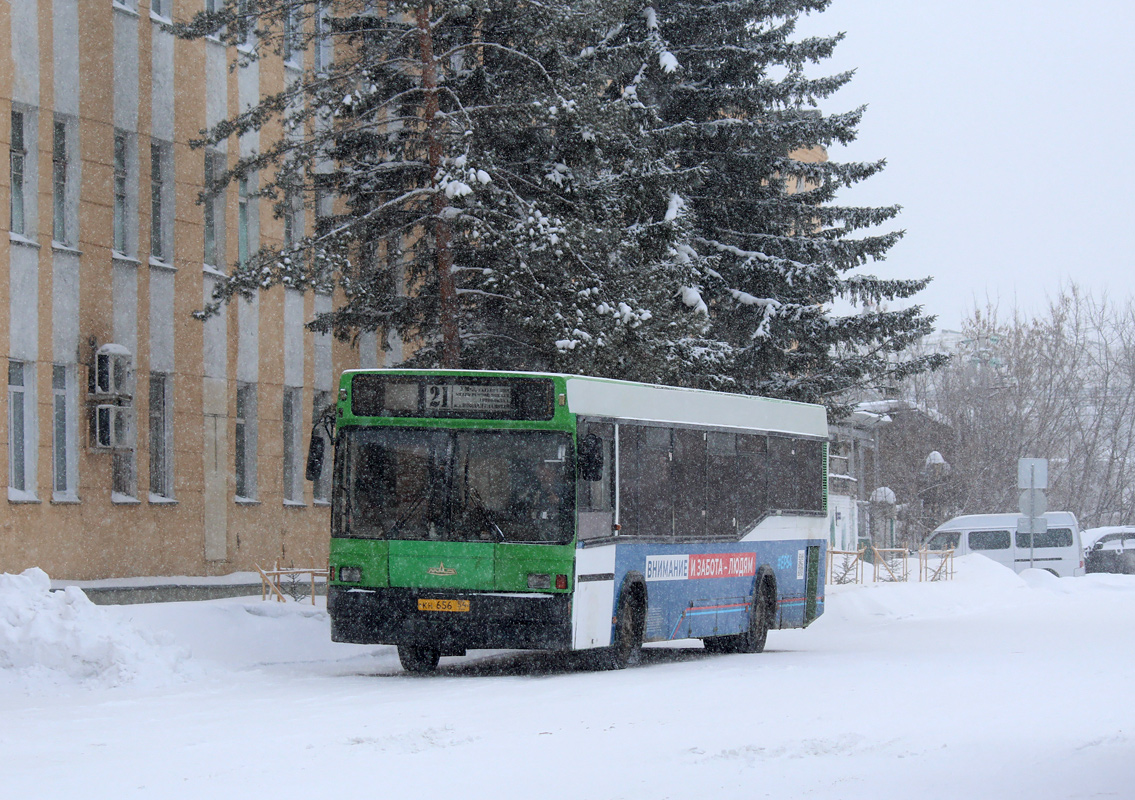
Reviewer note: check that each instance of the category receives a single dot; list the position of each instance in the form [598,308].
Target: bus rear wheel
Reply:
[760,618]
[419,660]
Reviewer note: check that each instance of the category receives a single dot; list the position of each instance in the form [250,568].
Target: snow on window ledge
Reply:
[295,504]
[118,498]
[157,262]
[21,496]
[318,503]
[209,269]
[19,238]
[246,501]
[162,500]
[64,498]
[65,248]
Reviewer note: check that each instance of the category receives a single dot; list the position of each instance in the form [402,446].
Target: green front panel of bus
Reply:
[476,566]
[442,565]
[372,557]
[515,562]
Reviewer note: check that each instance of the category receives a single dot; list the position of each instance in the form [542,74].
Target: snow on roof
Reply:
[1093,535]
[969,522]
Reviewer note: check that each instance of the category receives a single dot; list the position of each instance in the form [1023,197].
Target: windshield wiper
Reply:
[397,526]
[484,510]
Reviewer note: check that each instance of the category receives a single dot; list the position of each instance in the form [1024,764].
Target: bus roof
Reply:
[615,399]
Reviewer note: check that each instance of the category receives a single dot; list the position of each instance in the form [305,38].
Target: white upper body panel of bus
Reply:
[644,402]
[598,397]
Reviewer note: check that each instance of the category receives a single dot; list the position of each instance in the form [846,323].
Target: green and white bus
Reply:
[522,510]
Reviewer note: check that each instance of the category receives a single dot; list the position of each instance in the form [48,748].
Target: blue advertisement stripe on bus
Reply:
[705,589]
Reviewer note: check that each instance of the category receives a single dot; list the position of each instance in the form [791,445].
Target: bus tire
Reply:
[419,660]
[760,615]
[630,618]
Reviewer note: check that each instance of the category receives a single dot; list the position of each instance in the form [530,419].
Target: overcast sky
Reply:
[1007,128]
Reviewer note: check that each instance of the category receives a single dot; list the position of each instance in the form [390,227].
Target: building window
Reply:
[321,41]
[161,207]
[293,419]
[293,32]
[161,436]
[247,16]
[245,444]
[242,222]
[321,488]
[214,208]
[17,155]
[123,479]
[63,455]
[120,193]
[19,419]
[59,229]
[160,8]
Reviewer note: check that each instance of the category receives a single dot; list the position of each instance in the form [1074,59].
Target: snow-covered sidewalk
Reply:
[991,685]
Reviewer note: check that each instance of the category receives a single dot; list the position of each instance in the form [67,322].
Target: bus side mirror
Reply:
[590,452]
[315,457]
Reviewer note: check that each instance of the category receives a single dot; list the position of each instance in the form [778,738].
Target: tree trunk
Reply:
[447,293]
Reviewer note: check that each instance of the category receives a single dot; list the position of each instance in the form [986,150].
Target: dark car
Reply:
[1110,549]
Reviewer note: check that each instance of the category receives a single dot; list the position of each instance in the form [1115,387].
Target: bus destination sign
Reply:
[463,397]
[440,396]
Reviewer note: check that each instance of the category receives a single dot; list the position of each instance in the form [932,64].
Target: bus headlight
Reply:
[538,580]
[350,574]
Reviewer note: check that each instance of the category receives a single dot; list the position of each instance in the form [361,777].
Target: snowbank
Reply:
[61,637]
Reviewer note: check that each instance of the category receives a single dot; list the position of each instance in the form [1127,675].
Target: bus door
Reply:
[811,582]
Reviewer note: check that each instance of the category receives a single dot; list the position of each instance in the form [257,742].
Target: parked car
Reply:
[995,535]
[1110,549]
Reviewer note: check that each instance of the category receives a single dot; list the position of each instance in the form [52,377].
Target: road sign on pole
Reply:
[1032,525]
[1033,503]
[1032,476]
[1032,473]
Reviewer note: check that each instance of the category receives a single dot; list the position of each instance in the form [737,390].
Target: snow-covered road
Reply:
[994,685]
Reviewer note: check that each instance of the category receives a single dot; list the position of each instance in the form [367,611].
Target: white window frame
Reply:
[248,43]
[292,424]
[60,190]
[322,49]
[64,433]
[160,9]
[214,213]
[244,444]
[243,231]
[321,487]
[161,201]
[121,192]
[21,431]
[17,173]
[161,438]
[293,37]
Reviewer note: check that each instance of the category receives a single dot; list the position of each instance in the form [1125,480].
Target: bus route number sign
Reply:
[466,397]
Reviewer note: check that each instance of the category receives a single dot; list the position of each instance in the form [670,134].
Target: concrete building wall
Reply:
[98,69]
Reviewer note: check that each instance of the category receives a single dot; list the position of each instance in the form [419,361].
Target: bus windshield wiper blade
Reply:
[480,505]
[397,526]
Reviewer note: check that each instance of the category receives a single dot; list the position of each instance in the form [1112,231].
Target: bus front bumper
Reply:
[393,616]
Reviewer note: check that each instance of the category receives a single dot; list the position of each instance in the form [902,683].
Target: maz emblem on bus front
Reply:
[441,569]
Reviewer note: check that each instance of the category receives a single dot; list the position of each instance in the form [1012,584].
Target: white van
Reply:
[995,536]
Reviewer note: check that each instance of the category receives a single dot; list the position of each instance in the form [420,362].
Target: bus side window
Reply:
[596,499]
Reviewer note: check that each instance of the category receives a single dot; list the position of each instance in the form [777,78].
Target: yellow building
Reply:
[138,440]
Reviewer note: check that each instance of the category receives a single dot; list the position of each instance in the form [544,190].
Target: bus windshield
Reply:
[455,485]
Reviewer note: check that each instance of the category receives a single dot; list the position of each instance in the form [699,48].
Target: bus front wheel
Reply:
[418,660]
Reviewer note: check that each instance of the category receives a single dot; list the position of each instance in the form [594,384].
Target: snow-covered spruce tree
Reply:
[497,207]
[729,83]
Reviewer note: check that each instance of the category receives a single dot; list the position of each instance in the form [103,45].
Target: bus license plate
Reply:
[437,604]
